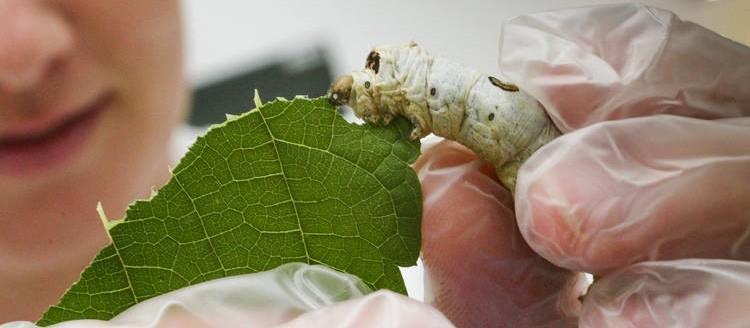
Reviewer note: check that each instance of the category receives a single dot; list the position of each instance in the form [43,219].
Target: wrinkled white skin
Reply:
[451,101]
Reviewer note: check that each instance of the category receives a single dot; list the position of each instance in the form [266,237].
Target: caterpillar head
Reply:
[354,90]
[357,91]
[367,91]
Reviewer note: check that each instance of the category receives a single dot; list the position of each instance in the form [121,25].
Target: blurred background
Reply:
[285,48]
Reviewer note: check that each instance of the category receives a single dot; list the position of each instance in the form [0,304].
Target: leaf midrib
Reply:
[286,182]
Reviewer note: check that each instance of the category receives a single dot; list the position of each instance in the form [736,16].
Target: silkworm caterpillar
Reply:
[500,123]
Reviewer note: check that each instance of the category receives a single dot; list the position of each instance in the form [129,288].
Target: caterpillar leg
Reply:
[508,172]
[507,175]
[387,118]
[421,127]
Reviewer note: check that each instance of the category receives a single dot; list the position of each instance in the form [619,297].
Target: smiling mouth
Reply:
[51,147]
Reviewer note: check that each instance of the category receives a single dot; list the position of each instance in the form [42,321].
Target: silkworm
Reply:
[500,123]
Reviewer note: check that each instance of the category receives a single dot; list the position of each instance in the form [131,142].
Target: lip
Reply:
[38,147]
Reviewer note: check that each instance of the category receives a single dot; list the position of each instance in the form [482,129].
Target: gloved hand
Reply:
[478,270]
[624,185]
[291,295]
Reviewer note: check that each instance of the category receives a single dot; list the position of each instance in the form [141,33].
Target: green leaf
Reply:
[291,181]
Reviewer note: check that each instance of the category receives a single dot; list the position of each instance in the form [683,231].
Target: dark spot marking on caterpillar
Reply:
[502,85]
[491,117]
[373,61]
[433,91]
[367,84]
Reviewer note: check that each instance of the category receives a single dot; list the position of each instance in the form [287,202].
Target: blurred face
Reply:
[89,94]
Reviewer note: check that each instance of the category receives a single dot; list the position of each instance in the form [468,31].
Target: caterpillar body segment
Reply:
[500,123]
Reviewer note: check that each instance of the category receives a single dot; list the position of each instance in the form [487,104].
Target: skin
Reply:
[56,57]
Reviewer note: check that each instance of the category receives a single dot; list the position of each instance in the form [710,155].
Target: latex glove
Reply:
[633,189]
[478,270]
[291,295]
[612,193]
[680,293]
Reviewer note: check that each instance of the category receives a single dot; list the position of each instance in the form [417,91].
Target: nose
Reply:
[33,37]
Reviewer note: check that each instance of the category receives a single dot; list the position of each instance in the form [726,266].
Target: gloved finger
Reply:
[591,64]
[651,188]
[479,271]
[684,293]
[379,309]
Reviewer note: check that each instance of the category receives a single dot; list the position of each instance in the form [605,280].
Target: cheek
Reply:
[137,49]
[138,45]
[147,58]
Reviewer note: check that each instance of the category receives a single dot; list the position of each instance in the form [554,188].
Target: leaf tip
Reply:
[256,99]
[105,221]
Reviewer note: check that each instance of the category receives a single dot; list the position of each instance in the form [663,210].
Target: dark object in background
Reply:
[284,78]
